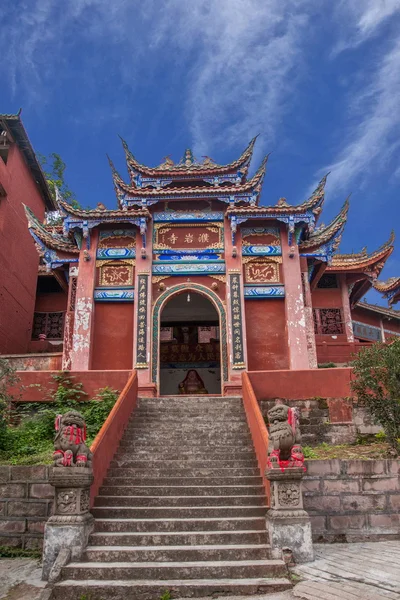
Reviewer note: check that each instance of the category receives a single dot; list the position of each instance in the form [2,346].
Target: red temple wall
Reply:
[267,346]
[18,257]
[51,302]
[326,298]
[371,318]
[113,336]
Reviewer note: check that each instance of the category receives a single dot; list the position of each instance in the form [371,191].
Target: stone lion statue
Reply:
[70,449]
[284,437]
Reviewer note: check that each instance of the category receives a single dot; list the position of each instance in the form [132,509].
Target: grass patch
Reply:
[11,552]
[369,451]
[30,442]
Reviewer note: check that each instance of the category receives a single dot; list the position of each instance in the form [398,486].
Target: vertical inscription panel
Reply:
[237,323]
[142,322]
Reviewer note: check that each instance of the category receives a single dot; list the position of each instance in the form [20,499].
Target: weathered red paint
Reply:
[294,305]
[82,336]
[338,351]
[340,410]
[113,336]
[18,257]
[267,344]
[51,302]
[302,384]
[35,386]
[258,429]
[109,436]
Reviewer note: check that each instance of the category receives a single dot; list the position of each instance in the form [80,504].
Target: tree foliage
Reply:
[377,387]
[54,168]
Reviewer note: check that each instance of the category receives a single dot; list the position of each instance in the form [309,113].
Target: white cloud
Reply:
[240,58]
[366,16]
[373,138]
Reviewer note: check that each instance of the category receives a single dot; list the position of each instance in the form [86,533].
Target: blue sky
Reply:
[319,80]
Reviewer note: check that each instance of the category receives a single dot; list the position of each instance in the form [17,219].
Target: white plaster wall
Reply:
[171,378]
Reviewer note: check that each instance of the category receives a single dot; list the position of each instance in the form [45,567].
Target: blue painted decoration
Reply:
[264,291]
[262,250]
[114,295]
[188,269]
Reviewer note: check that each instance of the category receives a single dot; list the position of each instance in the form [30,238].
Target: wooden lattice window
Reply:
[51,324]
[328,321]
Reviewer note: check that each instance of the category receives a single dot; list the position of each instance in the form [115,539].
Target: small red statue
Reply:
[70,449]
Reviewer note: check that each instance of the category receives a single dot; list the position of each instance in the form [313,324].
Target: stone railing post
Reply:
[67,530]
[288,523]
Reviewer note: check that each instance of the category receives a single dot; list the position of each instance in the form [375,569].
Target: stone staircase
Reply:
[182,509]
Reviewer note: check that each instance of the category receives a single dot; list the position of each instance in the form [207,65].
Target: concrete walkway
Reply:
[365,571]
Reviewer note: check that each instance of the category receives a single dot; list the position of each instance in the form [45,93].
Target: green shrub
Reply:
[309,452]
[32,440]
[328,365]
[377,387]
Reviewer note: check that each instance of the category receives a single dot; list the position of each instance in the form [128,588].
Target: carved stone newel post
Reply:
[68,529]
[287,522]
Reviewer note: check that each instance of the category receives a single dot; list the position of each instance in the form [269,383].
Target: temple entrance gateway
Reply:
[190,354]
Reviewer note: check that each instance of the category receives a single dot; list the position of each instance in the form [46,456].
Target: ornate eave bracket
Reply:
[290,220]
[50,257]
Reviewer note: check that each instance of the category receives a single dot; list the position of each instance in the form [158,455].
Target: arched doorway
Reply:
[189,327]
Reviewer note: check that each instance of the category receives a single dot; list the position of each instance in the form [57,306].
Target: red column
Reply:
[348,324]
[311,345]
[84,307]
[233,263]
[294,304]
[69,317]
[144,268]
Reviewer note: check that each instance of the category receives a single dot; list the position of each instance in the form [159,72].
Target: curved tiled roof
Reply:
[99,213]
[51,239]
[362,260]
[253,184]
[189,165]
[325,234]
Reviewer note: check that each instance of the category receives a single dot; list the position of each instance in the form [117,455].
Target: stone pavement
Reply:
[362,571]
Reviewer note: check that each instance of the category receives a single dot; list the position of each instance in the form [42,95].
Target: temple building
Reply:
[191,280]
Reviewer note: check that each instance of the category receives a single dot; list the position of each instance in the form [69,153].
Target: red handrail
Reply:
[107,440]
[258,429]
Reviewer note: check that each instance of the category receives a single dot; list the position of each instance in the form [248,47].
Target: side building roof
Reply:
[15,126]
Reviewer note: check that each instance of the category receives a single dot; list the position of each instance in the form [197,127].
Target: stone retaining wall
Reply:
[331,420]
[26,499]
[353,500]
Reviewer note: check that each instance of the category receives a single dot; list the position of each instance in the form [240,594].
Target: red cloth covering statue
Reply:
[284,438]
[192,384]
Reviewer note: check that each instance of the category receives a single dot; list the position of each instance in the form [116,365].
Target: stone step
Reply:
[180,525]
[177,438]
[159,445]
[207,426]
[110,554]
[170,512]
[165,570]
[171,501]
[200,416]
[181,482]
[120,471]
[199,490]
[153,590]
[133,462]
[175,454]
[178,538]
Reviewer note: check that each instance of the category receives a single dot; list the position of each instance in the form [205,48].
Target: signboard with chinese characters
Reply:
[206,334]
[141,322]
[184,236]
[237,325]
